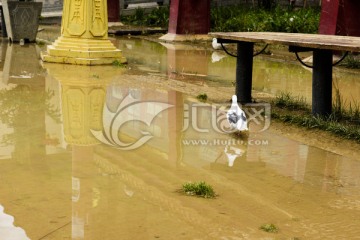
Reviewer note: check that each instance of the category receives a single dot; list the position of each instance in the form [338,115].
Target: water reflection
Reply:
[83,91]
[26,105]
[130,114]
[112,191]
[59,181]
[213,68]
[135,189]
[21,64]
[32,158]
[182,66]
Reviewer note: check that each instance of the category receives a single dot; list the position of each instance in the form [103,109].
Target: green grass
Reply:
[202,97]
[279,19]
[117,63]
[40,43]
[343,122]
[351,61]
[269,228]
[159,17]
[285,100]
[240,18]
[200,189]
[343,111]
[343,130]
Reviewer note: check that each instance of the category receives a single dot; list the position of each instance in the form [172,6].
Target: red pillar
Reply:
[340,17]
[189,17]
[329,17]
[113,8]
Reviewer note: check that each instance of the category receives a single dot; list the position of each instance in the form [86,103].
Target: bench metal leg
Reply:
[322,83]
[3,25]
[244,67]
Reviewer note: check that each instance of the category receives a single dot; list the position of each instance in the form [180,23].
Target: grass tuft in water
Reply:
[344,111]
[40,43]
[285,100]
[269,227]
[117,63]
[351,62]
[200,189]
[202,97]
[346,131]
[342,122]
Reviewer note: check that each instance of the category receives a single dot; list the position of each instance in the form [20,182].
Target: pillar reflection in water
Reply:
[144,119]
[184,61]
[112,190]
[83,92]
[102,206]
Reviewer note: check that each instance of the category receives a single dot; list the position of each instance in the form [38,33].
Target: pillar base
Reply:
[82,51]
[184,37]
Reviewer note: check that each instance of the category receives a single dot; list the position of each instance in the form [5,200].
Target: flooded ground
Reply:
[101,152]
[218,69]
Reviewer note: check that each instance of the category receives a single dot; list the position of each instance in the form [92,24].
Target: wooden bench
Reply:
[322,46]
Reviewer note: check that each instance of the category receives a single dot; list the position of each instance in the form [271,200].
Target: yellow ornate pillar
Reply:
[84,35]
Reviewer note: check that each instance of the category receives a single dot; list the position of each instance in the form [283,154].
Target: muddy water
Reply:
[74,169]
[181,61]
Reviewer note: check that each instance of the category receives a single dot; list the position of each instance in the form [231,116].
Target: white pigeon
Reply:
[236,117]
[215,44]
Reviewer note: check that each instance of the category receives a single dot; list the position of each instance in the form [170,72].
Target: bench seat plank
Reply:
[314,41]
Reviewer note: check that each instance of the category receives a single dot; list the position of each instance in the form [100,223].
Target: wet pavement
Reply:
[101,152]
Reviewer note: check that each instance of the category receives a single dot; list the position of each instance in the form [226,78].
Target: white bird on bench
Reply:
[236,117]
[215,44]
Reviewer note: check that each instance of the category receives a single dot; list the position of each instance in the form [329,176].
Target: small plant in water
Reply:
[343,121]
[117,63]
[200,189]
[351,62]
[285,100]
[202,97]
[40,43]
[269,227]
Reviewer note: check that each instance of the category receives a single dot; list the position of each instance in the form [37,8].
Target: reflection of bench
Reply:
[321,45]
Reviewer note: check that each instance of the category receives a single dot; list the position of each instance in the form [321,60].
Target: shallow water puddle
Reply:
[88,154]
[215,68]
